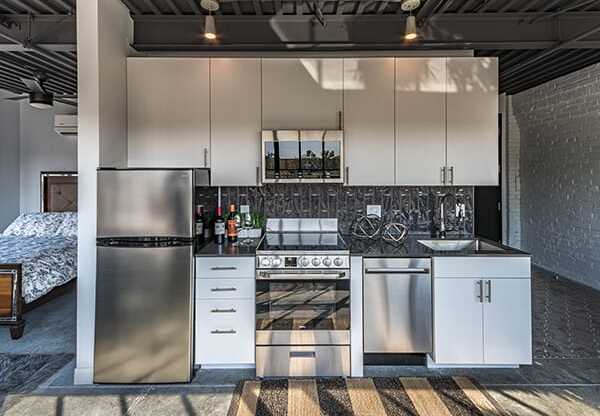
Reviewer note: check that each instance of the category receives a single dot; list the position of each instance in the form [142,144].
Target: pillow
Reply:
[40,224]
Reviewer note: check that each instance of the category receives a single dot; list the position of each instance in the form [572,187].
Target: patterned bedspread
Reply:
[47,262]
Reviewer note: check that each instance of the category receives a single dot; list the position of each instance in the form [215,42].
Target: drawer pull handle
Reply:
[221,332]
[223,289]
[232,310]
[303,354]
[223,268]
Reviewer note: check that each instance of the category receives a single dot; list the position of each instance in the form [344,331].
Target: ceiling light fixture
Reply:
[210,30]
[410,32]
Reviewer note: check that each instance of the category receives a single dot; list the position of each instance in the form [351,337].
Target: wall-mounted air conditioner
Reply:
[66,124]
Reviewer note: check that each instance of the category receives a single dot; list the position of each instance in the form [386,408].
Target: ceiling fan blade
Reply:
[33,85]
[67,102]
[20,97]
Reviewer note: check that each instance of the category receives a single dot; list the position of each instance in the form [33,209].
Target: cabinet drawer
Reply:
[225,267]
[482,267]
[224,288]
[303,361]
[224,332]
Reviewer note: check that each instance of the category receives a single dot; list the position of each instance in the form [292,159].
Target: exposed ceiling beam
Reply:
[563,45]
[152,7]
[24,6]
[382,6]
[509,4]
[44,5]
[485,6]
[194,6]
[467,5]
[173,6]
[563,67]
[564,10]
[450,30]
[428,8]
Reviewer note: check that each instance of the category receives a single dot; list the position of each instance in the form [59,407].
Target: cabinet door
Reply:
[369,120]
[420,120]
[458,321]
[168,112]
[507,321]
[472,120]
[235,121]
[303,93]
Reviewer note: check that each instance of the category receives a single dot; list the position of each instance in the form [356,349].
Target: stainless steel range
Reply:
[302,300]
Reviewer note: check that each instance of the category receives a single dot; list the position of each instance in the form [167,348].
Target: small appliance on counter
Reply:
[144,281]
[302,300]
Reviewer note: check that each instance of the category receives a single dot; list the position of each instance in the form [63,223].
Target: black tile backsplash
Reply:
[414,206]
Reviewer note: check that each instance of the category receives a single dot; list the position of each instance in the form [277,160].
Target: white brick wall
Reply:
[558,126]
[513,178]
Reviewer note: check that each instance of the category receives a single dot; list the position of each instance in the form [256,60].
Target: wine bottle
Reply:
[219,227]
[200,223]
[233,224]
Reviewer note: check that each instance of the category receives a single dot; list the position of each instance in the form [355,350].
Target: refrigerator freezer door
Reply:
[144,203]
[143,315]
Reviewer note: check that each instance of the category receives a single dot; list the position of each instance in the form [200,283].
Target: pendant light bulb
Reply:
[210,31]
[411,28]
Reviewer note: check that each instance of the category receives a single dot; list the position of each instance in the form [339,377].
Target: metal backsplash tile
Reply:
[414,206]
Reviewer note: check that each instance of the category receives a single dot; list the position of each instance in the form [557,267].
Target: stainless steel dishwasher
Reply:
[397,305]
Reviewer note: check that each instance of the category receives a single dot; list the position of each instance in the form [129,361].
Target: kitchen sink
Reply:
[447,245]
[459,245]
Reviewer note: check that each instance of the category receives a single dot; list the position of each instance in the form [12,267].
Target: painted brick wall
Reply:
[513,178]
[559,126]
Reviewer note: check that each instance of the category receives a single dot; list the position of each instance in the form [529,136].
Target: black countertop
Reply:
[370,248]
[412,248]
[238,249]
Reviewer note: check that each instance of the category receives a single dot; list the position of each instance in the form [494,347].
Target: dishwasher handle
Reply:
[404,270]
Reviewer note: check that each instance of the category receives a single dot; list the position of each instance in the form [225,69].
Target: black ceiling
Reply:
[535,40]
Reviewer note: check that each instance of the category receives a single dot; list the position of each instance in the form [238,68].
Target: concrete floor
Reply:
[564,380]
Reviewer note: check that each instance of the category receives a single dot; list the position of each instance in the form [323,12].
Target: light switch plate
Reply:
[244,209]
[374,210]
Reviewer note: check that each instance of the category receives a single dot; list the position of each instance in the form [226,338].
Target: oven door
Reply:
[303,307]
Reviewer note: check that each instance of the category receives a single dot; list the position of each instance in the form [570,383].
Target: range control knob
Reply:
[338,261]
[276,262]
[327,262]
[304,262]
[265,262]
[316,262]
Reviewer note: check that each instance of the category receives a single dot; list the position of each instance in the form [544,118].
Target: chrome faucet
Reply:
[443,216]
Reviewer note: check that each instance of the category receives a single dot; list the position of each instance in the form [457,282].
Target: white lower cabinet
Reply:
[225,331]
[482,317]
[458,318]
[506,321]
[224,325]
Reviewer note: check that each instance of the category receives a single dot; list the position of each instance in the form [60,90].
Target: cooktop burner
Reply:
[302,242]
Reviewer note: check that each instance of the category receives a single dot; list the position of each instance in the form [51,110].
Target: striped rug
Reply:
[404,396]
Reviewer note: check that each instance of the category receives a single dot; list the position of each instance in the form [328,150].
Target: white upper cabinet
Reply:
[369,121]
[301,93]
[420,120]
[235,121]
[472,121]
[168,112]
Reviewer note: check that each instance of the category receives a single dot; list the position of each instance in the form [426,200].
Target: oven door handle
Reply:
[408,270]
[302,276]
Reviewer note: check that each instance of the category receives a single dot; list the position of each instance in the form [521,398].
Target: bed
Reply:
[38,260]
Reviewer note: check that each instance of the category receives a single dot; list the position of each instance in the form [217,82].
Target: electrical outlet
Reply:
[374,210]
[244,209]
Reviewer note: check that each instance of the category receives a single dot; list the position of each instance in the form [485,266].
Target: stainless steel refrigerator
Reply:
[144,283]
